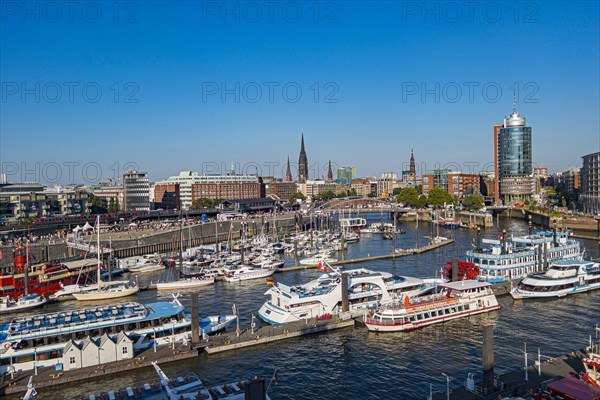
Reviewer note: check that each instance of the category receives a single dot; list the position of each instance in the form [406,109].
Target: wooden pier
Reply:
[272,333]
[398,253]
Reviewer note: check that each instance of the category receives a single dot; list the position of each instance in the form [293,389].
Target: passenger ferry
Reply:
[561,279]
[457,299]
[366,289]
[506,260]
[40,339]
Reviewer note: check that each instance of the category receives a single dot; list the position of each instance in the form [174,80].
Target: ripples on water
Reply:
[355,363]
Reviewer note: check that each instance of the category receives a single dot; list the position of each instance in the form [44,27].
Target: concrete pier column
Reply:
[454,270]
[488,356]
[345,304]
[195,318]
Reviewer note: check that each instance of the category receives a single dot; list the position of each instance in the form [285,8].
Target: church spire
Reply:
[302,162]
[330,173]
[288,173]
[413,171]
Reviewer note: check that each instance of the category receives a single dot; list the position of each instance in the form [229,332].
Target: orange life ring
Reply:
[6,346]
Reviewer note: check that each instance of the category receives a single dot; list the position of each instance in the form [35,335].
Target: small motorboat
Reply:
[24,302]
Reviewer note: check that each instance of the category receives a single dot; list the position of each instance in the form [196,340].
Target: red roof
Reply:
[573,388]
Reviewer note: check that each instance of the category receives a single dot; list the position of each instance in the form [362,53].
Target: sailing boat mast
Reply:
[98,248]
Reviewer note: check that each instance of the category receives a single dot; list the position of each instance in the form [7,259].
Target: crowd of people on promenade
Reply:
[138,227]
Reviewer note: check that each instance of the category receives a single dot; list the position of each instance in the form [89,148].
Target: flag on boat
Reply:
[473,243]
[275,377]
[234,309]
[270,281]
[322,267]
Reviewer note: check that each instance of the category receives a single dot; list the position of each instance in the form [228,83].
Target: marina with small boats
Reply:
[319,298]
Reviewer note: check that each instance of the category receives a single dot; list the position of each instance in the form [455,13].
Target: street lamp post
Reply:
[447,386]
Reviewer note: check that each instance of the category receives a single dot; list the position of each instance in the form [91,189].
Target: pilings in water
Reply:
[488,357]
[345,304]
[195,318]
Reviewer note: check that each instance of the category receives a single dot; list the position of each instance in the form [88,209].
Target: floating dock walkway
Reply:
[215,344]
[272,333]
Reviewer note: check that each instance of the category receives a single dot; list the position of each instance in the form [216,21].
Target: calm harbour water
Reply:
[353,363]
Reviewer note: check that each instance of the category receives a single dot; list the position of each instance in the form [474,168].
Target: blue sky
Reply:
[179,82]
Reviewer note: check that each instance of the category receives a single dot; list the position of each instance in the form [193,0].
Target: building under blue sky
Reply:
[98,88]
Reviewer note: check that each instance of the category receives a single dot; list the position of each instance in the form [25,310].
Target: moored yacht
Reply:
[246,272]
[24,302]
[561,279]
[323,295]
[457,299]
[102,290]
[186,283]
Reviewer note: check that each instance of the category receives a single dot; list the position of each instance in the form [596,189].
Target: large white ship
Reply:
[366,289]
[561,279]
[504,260]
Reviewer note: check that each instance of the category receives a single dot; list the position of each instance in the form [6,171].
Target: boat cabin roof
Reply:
[76,320]
[465,285]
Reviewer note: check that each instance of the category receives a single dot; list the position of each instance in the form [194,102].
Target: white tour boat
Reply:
[457,299]
[43,337]
[24,302]
[504,260]
[366,289]
[560,279]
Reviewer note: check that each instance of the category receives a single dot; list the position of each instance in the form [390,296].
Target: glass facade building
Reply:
[515,164]
[345,175]
[590,183]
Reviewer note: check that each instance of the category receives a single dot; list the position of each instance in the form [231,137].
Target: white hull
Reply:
[410,327]
[185,284]
[21,307]
[147,268]
[518,294]
[105,294]
[246,276]
[457,300]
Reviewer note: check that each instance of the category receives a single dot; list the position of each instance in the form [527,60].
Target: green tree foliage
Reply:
[113,206]
[438,197]
[203,203]
[419,189]
[408,196]
[327,195]
[296,196]
[473,202]
[353,192]
[98,205]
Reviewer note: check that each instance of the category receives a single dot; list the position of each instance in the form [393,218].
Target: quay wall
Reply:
[135,244]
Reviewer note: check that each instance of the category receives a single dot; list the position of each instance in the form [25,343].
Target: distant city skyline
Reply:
[174,99]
